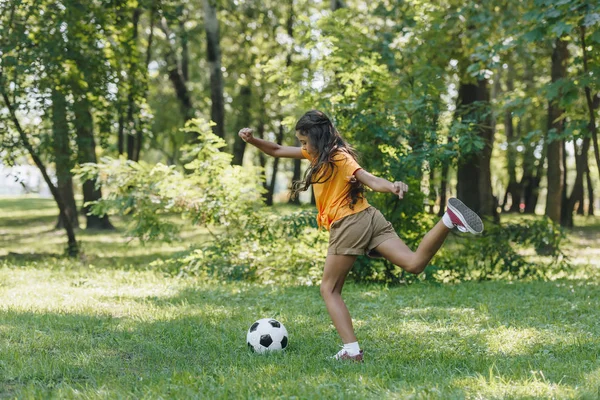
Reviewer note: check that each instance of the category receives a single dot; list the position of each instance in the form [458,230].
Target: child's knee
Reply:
[327,289]
[414,266]
[417,268]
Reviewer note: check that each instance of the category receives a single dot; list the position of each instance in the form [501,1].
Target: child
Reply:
[356,228]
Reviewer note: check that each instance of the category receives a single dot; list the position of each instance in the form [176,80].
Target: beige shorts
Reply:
[359,233]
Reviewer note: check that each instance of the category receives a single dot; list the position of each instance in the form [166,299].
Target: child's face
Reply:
[306,145]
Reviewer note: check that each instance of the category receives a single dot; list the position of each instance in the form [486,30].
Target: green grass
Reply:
[108,326]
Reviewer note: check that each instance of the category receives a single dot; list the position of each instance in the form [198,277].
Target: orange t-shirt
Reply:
[332,196]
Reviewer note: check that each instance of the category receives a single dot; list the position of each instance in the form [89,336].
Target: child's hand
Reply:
[399,188]
[246,134]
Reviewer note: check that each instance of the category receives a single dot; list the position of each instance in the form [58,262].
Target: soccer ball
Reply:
[267,334]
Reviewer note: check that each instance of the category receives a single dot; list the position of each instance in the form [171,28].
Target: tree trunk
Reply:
[62,158]
[443,188]
[178,80]
[564,196]
[592,101]
[133,129]
[239,146]
[532,175]
[271,187]
[120,130]
[213,51]
[86,153]
[555,148]
[262,159]
[337,4]
[181,92]
[474,185]
[432,194]
[297,175]
[590,189]
[531,188]
[514,187]
[577,193]
[72,246]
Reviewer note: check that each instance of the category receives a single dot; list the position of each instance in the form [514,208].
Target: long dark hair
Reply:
[327,141]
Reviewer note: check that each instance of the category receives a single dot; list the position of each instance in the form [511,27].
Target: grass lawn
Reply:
[108,326]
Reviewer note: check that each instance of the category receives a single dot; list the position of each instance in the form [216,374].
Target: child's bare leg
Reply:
[457,215]
[397,252]
[334,276]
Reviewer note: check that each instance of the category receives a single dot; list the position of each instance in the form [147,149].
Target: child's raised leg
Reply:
[398,253]
[457,215]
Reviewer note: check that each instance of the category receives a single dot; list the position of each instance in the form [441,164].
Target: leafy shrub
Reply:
[248,242]
[501,253]
[526,249]
[265,247]
[211,192]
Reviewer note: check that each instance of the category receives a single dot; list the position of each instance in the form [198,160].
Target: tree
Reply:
[178,65]
[86,153]
[213,54]
[63,159]
[514,186]
[72,246]
[555,129]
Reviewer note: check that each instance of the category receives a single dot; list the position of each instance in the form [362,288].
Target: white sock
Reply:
[447,221]
[351,348]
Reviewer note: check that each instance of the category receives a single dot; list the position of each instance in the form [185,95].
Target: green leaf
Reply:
[562,28]
[591,19]
[535,35]
[553,13]
[595,36]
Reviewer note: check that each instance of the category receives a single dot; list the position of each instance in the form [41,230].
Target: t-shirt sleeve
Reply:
[347,164]
[305,154]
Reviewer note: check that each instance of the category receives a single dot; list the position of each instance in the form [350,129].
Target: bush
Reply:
[249,241]
[528,249]
[502,253]
[266,248]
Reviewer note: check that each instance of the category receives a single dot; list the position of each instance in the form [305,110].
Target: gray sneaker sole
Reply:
[467,216]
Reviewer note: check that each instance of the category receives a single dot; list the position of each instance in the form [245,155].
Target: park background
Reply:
[140,237]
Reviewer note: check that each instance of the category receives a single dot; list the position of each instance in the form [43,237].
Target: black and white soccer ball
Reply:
[267,334]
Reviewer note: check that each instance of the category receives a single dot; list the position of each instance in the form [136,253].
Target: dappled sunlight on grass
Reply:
[140,324]
[109,324]
[98,247]
[584,242]
[514,341]
[592,383]
[495,385]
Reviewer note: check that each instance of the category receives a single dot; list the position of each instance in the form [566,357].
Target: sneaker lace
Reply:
[340,353]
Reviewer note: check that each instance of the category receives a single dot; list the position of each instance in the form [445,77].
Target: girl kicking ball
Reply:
[356,228]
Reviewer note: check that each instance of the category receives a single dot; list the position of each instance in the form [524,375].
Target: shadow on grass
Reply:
[19,258]
[10,204]
[198,342]
[33,221]
[52,350]
[513,343]
[141,262]
[107,249]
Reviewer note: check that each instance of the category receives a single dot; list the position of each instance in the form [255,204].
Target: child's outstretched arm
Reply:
[270,148]
[380,184]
